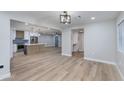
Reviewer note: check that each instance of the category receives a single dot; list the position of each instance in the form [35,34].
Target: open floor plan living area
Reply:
[62,46]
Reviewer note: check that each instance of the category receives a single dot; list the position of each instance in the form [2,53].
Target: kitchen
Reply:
[31,39]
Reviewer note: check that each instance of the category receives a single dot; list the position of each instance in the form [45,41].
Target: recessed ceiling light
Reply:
[92,18]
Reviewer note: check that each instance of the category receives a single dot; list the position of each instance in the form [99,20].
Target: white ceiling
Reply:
[51,18]
[22,26]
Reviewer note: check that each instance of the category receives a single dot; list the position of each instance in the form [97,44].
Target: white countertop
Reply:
[35,44]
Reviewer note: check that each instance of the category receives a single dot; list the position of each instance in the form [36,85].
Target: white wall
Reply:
[120,55]
[12,37]
[47,39]
[60,40]
[5,39]
[66,42]
[81,41]
[100,41]
[4,45]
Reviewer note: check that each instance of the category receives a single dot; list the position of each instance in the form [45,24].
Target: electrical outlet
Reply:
[1,66]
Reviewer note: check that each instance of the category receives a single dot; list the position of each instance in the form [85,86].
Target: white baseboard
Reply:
[5,76]
[122,76]
[66,55]
[106,62]
[100,61]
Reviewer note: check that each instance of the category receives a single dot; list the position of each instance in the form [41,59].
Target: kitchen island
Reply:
[33,48]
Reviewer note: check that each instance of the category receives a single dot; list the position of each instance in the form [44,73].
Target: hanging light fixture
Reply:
[65,18]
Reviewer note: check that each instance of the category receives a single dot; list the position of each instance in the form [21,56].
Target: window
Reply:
[121,36]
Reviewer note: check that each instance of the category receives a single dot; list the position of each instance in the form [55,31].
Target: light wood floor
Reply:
[51,66]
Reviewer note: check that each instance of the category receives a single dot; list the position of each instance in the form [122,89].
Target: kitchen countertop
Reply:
[35,44]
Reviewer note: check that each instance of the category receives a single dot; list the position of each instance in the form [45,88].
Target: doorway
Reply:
[78,42]
[56,41]
[19,38]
